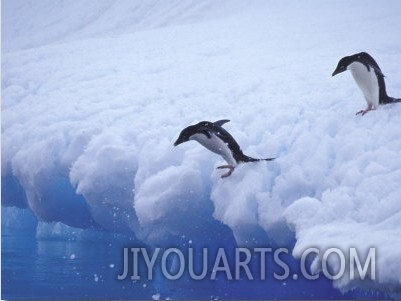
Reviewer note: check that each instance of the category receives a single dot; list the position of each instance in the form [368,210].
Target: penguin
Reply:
[216,139]
[369,77]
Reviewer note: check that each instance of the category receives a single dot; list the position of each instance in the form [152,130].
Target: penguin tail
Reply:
[267,159]
[390,100]
[246,158]
[395,100]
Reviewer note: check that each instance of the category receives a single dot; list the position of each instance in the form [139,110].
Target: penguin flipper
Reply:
[378,71]
[375,68]
[366,59]
[207,134]
[367,66]
[221,122]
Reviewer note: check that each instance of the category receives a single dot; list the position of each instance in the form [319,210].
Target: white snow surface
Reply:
[94,93]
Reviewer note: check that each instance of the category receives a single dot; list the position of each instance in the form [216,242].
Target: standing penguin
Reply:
[369,78]
[216,139]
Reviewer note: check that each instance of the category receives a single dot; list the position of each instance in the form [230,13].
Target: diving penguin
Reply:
[369,78]
[216,139]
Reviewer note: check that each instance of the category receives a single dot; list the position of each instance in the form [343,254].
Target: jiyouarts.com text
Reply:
[250,263]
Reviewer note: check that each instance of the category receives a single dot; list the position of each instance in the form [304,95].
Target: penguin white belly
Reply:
[215,145]
[367,82]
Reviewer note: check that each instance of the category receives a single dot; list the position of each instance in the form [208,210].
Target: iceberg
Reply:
[94,95]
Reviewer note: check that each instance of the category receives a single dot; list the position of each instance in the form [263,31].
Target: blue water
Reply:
[68,269]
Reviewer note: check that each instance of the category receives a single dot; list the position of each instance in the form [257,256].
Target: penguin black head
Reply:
[203,127]
[186,134]
[362,57]
[342,65]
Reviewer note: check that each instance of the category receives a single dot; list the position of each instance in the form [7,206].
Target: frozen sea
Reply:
[95,93]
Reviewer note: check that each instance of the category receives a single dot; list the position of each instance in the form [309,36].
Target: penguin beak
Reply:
[182,137]
[179,141]
[338,70]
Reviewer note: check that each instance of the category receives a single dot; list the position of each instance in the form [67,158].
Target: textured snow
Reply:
[95,93]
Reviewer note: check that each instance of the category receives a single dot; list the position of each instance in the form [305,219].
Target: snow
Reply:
[92,102]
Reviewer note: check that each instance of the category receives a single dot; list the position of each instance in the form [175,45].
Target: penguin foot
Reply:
[363,112]
[229,172]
